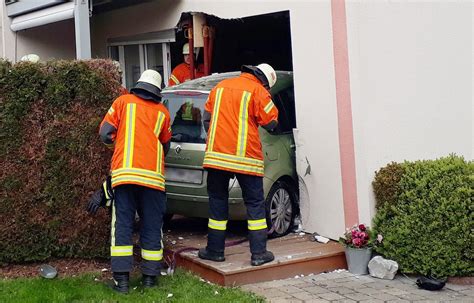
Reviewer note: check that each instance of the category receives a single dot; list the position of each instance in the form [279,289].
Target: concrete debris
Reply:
[301,234]
[180,238]
[321,239]
[382,268]
[173,242]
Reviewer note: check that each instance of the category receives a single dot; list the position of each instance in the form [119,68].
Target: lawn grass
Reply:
[183,286]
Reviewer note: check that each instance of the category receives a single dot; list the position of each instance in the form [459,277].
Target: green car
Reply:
[185,177]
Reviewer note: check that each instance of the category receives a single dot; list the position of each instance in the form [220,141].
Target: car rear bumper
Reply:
[198,206]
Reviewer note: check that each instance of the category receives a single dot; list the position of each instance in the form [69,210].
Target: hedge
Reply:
[425,215]
[52,159]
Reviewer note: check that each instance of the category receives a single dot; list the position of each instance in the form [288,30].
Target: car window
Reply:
[288,101]
[186,112]
[285,103]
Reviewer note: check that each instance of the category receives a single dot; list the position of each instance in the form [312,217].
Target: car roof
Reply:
[206,84]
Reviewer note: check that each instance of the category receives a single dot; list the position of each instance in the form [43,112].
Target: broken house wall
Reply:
[313,67]
[409,68]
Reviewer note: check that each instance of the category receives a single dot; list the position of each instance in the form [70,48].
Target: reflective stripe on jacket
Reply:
[238,106]
[142,127]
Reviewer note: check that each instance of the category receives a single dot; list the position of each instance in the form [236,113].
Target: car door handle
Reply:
[293,146]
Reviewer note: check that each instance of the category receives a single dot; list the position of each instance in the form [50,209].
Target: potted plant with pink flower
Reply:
[358,242]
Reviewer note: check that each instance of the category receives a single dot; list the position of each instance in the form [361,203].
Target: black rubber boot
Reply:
[148,281]
[259,259]
[207,254]
[121,282]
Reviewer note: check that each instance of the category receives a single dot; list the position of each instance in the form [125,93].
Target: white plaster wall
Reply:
[51,41]
[315,92]
[411,81]
[313,62]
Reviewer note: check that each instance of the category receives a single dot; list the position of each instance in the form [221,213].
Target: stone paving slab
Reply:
[342,286]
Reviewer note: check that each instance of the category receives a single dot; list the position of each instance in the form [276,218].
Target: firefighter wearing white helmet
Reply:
[234,110]
[269,73]
[137,125]
[182,72]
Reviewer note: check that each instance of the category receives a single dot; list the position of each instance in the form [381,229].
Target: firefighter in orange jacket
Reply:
[235,108]
[138,126]
[182,72]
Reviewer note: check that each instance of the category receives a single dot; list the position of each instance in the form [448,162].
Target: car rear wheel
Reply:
[281,209]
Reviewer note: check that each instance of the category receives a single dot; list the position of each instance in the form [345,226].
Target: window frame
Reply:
[142,57]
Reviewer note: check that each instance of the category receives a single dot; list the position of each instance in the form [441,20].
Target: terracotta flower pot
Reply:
[358,260]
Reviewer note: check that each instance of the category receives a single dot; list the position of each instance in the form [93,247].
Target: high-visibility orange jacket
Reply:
[238,106]
[182,73]
[142,127]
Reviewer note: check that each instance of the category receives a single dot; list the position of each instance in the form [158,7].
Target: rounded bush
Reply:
[428,227]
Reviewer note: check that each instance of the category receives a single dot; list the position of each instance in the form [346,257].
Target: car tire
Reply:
[281,209]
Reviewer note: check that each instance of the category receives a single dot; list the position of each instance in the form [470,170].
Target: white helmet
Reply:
[30,58]
[149,81]
[152,77]
[186,49]
[269,73]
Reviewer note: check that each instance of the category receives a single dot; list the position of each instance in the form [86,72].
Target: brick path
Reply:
[342,286]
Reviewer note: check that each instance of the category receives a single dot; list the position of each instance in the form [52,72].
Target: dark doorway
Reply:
[250,40]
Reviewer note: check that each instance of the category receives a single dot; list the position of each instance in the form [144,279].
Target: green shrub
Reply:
[428,224]
[52,159]
[19,88]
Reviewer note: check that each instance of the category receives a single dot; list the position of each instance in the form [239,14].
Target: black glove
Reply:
[101,198]
[95,202]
